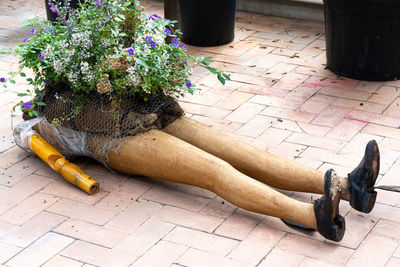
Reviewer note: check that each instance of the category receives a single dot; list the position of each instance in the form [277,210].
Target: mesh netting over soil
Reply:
[101,126]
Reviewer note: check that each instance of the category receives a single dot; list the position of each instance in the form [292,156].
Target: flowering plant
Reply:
[108,46]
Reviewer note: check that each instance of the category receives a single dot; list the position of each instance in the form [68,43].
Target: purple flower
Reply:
[26,40]
[51,31]
[167,31]
[189,84]
[174,41]
[168,63]
[154,17]
[31,31]
[98,3]
[130,51]
[41,56]
[27,105]
[152,44]
[54,9]
[47,82]
[2,80]
[183,46]
[147,39]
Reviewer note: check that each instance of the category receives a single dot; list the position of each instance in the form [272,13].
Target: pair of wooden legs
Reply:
[189,152]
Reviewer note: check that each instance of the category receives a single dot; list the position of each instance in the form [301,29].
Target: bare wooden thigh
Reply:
[271,169]
[160,155]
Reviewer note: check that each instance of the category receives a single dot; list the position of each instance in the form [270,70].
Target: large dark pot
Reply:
[363,38]
[207,22]
[51,16]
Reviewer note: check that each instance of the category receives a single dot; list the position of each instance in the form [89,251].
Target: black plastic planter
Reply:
[363,38]
[51,16]
[207,22]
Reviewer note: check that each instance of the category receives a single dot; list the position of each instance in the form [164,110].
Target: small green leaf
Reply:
[22,74]
[22,94]
[12,81]
[221,79]
[41,103]
[34,112]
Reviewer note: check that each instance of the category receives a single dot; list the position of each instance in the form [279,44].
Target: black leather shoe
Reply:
[363,178]
[326,209]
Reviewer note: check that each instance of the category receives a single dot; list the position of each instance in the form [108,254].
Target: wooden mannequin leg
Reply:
[160,155]
[271,169]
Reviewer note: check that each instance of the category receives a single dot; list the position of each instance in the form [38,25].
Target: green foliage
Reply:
[108,46]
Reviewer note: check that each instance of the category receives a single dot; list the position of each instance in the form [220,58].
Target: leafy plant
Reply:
[108,46]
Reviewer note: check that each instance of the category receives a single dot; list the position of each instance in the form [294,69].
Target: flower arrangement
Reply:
[107,46]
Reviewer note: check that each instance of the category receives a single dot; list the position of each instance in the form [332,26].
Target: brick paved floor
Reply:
[281,99]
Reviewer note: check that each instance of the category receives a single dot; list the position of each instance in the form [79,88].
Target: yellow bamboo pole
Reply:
[57,162]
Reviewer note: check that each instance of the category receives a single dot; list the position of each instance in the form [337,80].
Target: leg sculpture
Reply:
[277,171]
[160,155]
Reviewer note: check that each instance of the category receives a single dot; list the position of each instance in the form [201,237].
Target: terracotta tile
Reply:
[359,105]
[260,90]
[387,229]
[315,141]
[320,72]
[301,127]
[384,95]
[60,261]
[64,189]
[345,93]
[279,70]
[198,258]
[366,86]
[97,255]
[245,112]
[78,210]
[168,196]
[386,212]
[200,240]
[390,143]
[133,216]
[278,257]
[370,254]
[393,262]
[346,129]
[333,83]
[234,100]
[271,138]
[41,250]
[314,107]
[397,253]
[19,171]
[288,114]
[29,208]
[207,98]
[218,207]
[302,93]
[21,191]
[188,219]
[376,129]
[373,118]
[290,81]
[393,109]
[212,112]
[269,60]
[239,224]
[33,229]
[128,193]
[310,262]
[221,125]
[275,102]
[288,150]
[390,178]
[162,254]
[251,79]
[308,247]
[256,126]
[6,228]
[144,237]
[12,156]
[331,116]
[90,232]
[257,244]
[8,251]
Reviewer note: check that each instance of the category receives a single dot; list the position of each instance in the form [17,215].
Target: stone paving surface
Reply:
[281,99]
